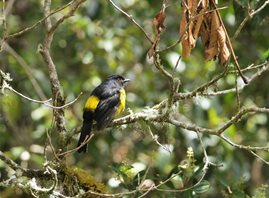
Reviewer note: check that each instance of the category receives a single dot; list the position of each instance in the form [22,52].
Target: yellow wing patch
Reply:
[92,103]
[122,101]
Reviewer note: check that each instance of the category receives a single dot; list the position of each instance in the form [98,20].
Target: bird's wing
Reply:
[106,109]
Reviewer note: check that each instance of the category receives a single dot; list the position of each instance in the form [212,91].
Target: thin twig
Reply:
[155,139]
[245,147]
[248,17]
[237,92]
[22,171]
[262,69]
[44,102]
[86,141]
[41,20]
[74,6]
[51,146]
[172,81]
[131,18]
[10,162]
[28,70]
[250,149]
[250,67]
[90,192]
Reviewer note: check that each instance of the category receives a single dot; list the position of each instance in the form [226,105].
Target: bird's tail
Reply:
[85,132]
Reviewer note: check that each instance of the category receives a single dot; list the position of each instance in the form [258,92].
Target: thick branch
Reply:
[24,172]
[57,94]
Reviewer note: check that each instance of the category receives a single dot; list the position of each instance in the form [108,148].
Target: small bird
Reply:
[106,101]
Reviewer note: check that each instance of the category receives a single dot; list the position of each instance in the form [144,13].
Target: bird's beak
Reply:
[126,81]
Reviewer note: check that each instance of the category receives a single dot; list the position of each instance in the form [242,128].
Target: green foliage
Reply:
[261,192]
[202,188]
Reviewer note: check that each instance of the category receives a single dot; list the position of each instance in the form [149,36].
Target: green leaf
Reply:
[203,187]
[138,177]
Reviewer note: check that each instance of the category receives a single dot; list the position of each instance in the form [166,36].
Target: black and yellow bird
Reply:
[105,102]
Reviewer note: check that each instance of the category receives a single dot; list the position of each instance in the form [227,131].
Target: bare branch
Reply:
[250,149]
[173,83]
[27,69]
[132,19]
[5,85]
[155,139]
[10,162]
[57,94]
[40,21]
[4,24]
[249,16]
[22,171]
[74,6]
[69,152]
[262,68]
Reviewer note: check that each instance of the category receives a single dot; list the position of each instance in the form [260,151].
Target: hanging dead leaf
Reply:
[213,49]
[158,21]
[187,24]
[224,50]
[183,23]
[191,23]
[199,20]
[159,26]
[199,17]
[204,34]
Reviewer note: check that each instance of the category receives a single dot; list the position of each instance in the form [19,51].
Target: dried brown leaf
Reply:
[158,21]
[159,26]
[187,24]
[202,8]
[215,24]
[224,54]
[213,49]
[186,45]
[198,24]
[204,34]
[183,22]
[192,5]
[211,53]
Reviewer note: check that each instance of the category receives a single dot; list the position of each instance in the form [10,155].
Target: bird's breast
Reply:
[122,102]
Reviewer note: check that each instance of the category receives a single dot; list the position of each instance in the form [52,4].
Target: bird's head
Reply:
[119,79]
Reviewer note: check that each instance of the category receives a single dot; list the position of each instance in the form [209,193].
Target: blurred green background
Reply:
[99,41]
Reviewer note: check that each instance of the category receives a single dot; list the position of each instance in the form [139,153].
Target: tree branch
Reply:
[40,21]
[249,16]
[22,171]
[57,94]
[130,17]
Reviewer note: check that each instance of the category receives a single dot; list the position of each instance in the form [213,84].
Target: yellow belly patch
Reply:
[122,102]
[92,103]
